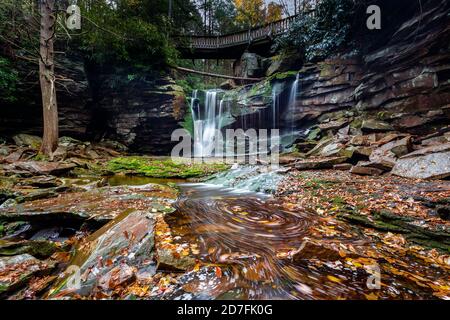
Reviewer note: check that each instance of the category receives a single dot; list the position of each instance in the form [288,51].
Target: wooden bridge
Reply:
[233,45]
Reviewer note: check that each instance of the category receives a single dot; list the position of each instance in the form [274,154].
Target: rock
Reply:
[363,151]
[108,253]
[363,140]
[306,146]
[4,151]
[118,276]
[428,163]
[387,138]
[26,140]
[436,141]
[372,125]
[99,205]
[319,163]
[41,167]
[410,121]
[319,147]
[342,166]
[250,66]
[41,249]
[168,260]
[228,85]
[363,170]
[314,134]
[333,125]
[386,156]
[41,182]
[16,271]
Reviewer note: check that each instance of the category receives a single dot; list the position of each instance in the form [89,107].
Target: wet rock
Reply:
[319,163]
[118,276]
[16,271]
[41,167]
[106,255]
[26,140]
[364,169]
[169,260]
[99,205]
[428,163]
[372,125]
[321,251]
[416,230]
[319,147]
[41,182]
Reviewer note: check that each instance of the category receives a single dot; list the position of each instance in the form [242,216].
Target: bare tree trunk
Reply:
[47,77]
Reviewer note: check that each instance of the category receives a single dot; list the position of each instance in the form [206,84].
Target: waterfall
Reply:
[206,123]
[291,105]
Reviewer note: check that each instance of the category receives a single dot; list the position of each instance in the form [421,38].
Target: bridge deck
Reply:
[231,46]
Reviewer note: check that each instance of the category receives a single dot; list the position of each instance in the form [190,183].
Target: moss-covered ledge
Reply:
[163,167]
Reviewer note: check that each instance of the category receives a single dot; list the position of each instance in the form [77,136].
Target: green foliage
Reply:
[125,33]
[8,81]
[320,35]
[157,168]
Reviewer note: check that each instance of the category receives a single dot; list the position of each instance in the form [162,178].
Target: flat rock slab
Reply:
[428,163]
[102,204]
[105,257]
[40,167]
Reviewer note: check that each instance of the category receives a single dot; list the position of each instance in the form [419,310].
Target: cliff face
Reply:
[139,110]
[405,83]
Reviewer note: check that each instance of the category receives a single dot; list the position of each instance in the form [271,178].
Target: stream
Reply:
[256,250]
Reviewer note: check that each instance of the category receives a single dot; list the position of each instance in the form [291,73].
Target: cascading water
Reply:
[207,123]
[292,101]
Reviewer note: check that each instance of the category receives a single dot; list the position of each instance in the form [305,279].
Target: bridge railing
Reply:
[238,38]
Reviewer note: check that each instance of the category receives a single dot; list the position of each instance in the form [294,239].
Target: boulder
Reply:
[386,156]
[16,271]
[428,163]
[26,140]
[105,257]
[372,125]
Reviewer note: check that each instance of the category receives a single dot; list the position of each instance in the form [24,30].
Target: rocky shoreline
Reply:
[126,243]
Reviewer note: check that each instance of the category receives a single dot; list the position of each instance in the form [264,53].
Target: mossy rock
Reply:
[39,249]
[163,168]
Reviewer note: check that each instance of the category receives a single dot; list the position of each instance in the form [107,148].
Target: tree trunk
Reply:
[47,77]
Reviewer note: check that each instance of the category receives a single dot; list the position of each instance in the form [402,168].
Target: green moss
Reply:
[157,168]
[283,75]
